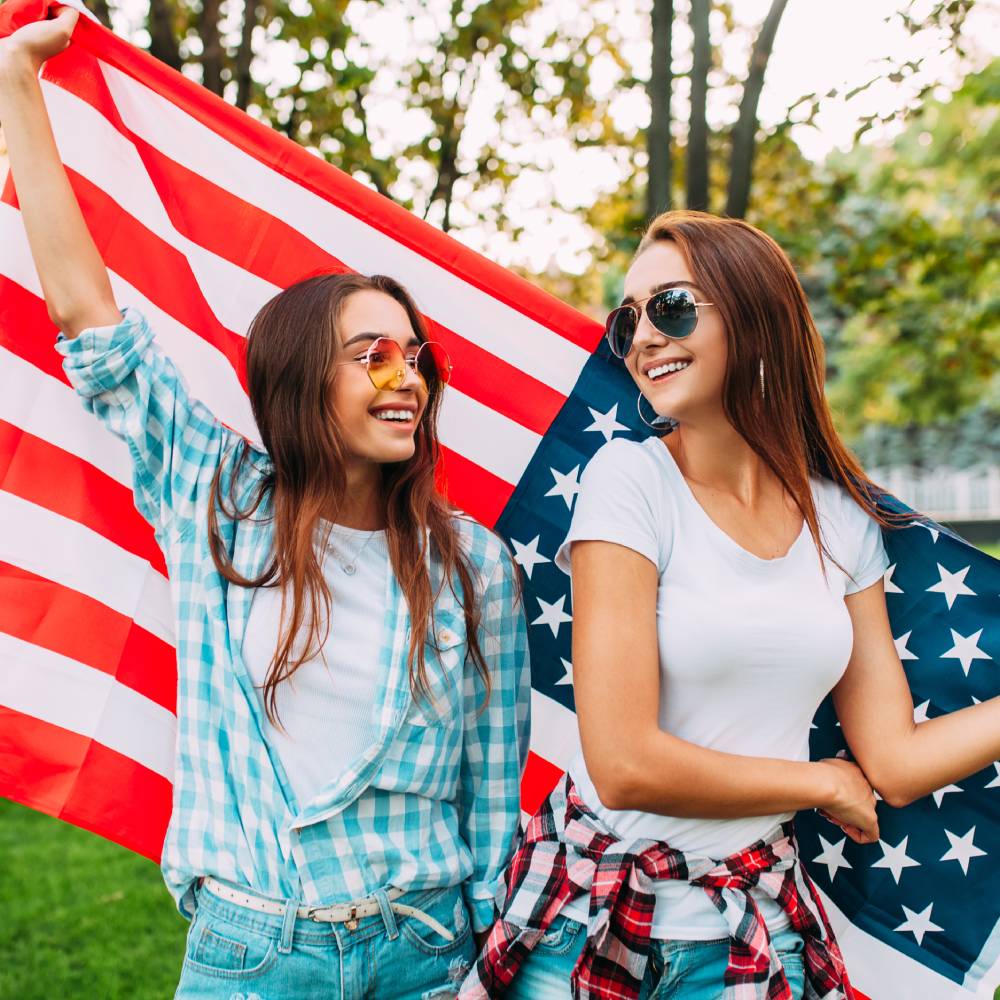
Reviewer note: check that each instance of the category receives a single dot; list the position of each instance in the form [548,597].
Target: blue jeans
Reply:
[238,954]
[677,970]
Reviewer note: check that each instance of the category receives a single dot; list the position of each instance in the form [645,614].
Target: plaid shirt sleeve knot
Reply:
[568,852]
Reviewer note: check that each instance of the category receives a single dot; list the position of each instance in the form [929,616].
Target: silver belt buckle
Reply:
[351,923]
[313,913]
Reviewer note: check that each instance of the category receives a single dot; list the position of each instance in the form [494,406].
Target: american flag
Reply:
[201,215]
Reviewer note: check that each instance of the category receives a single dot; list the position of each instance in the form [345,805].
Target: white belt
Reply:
[339,913]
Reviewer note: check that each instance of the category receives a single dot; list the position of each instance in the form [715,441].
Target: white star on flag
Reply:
[566,678]
[951,585]
[605,423]
[890,587]
[527,555]
[962,849]
[942,792]
[832,856]
[918,924]
[567,485]
[552,615]
[995,783]
[965,650]
[901,650]
[920,712]
[895,858]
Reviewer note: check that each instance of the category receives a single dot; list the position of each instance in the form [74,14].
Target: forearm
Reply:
[74,279]
[660,773]
[935,753]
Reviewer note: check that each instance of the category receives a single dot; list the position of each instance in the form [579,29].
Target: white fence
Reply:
[946,494]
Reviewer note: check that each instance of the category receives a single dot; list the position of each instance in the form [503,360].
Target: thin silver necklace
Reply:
[351,566]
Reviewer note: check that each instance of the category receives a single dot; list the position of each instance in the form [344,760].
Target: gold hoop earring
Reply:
[658,423]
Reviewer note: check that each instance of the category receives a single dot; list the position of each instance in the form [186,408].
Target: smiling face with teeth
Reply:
[376,427]
[683,378]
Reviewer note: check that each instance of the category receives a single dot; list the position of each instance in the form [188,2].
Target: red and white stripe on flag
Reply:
[201,215]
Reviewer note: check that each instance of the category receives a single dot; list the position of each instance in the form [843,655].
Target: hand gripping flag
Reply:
[201,215]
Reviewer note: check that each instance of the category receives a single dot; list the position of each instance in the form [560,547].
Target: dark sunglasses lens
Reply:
[673,312]
[620,329]
[433,364]
[386,364]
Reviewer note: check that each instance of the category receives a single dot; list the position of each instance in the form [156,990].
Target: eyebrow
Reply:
[629,299]
[357,338]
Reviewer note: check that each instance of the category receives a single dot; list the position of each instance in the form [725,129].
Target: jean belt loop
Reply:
[388,917]
[288,926]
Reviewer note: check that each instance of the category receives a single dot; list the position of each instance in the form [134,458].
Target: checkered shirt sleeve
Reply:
[495,744]
[175,443]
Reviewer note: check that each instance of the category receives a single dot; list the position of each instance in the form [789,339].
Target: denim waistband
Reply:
[292,928]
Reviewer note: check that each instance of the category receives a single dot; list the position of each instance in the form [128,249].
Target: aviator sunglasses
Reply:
[673,312]
[385,361]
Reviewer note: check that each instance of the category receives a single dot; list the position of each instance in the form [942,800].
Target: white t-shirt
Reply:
[325,707]
[748,647]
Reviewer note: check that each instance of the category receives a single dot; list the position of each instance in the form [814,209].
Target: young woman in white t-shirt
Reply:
[726,577]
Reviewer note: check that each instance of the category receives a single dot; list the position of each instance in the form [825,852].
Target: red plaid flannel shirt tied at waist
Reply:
[568,852]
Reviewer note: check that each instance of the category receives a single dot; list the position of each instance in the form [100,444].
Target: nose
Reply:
[411,380]
[646,335]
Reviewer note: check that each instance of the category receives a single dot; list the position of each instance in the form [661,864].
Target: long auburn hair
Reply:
[292,346]
[766,317]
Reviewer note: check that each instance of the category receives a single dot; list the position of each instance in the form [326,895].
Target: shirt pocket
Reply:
[444,661]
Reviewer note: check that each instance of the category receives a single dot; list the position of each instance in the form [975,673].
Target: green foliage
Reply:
[972,440]
[913,253]
[529,69]
[896,244]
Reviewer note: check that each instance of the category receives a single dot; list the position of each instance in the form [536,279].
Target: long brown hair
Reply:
[292,346]
[766,317]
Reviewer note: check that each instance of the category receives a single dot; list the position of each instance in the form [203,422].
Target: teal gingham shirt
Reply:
[435,801]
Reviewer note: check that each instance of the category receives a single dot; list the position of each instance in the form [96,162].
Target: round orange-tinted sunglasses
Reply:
[385,361]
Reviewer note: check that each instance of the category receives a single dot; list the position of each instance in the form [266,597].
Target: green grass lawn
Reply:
[81,917]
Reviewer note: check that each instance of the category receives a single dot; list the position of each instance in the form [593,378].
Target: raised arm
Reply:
[632,762]
[903,759]
[74,279]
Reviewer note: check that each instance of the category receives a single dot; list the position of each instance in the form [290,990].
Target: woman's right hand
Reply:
[33,43]
[851,804]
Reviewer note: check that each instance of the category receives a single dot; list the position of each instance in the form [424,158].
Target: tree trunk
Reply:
[659,89]
[211,55]
[745,131]
[447,170]
[162,42]
[697,148]
[244,57]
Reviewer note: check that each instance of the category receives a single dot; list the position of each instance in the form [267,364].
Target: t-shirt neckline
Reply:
[721,536]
